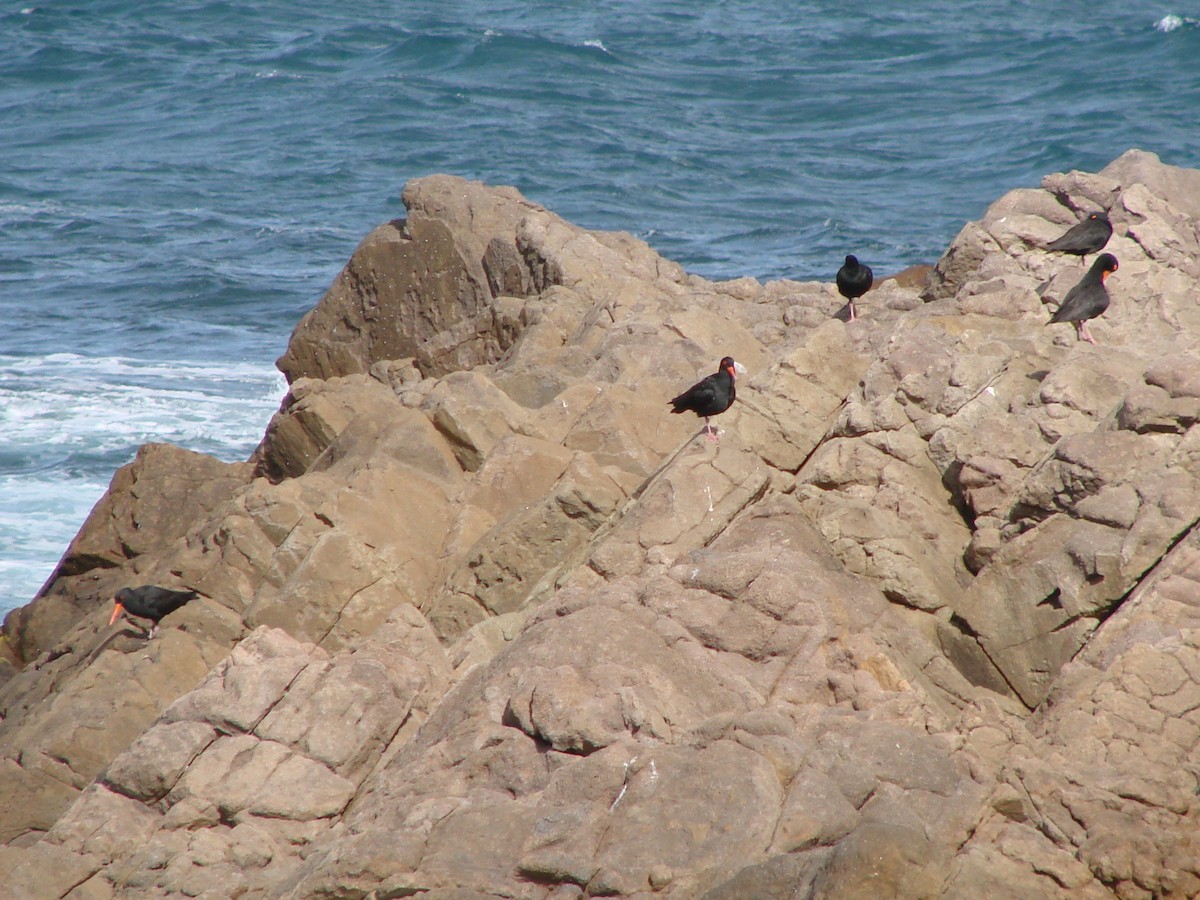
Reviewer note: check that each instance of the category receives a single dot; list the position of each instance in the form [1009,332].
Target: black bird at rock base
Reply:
[149,602]
[853,280]
[710,396]
[1088,236]
[1087,299]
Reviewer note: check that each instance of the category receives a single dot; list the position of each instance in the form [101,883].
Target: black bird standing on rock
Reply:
[1087,299]
[149,602]
[1088,236]
[710,396]
[853,280]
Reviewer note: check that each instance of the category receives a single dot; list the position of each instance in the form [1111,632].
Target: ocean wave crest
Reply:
[1172,22]
[98,406]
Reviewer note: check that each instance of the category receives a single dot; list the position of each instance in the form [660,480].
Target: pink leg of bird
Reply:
[1084,333]
[850,303]
[708,431]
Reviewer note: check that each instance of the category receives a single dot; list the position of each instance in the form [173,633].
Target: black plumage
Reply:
[710,396]
[149,602]
[1088,236]
[1087,299]
[853,280]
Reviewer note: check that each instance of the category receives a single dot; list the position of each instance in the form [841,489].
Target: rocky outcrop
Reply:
[478,619]
[150,504]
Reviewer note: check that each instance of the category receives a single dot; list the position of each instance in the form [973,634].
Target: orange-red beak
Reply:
[732,373]
[117,610]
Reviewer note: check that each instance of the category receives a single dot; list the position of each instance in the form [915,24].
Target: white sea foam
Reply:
[597,44]
[1171,22]
[103,404]
[38,518]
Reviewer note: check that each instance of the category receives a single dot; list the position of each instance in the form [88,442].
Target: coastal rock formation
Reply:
[479,619]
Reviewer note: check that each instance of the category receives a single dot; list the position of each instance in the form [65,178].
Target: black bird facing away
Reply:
[710,396]
[149,602]
[1088,236]
[853,280]
[1087,299]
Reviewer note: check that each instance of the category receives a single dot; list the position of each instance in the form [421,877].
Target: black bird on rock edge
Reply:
[1087,299]
[1088,236]
[149,602]
[710,396]
[853,280]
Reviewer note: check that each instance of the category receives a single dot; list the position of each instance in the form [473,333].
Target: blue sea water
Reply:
[179,182]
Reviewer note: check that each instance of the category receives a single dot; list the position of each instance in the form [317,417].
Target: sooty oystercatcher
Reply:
[710,396]
[853,280]
[1088,236]
[149,602]
[1087,299]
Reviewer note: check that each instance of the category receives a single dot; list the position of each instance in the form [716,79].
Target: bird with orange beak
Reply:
[710,396]
[149,602]
[1087,299]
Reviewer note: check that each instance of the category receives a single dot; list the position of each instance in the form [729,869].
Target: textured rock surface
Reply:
[479,620]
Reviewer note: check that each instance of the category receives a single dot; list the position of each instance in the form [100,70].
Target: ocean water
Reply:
[180,182]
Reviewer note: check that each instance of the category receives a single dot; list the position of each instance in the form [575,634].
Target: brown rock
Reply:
[43,871]
[923,622]
[312,416]
[816,813]
[878,860]
[413,280]
[473,415]
[149,505]
[54,754]
[37,798]
[1182,186]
